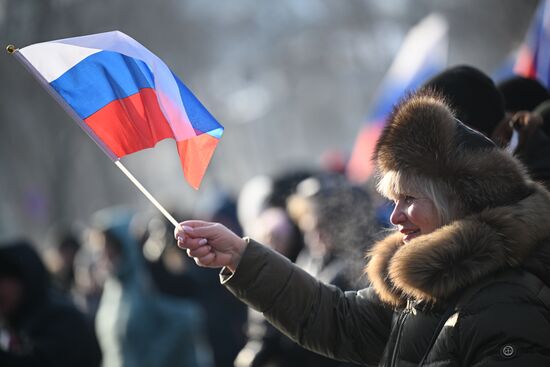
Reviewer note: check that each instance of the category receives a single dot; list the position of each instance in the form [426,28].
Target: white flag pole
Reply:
[12,50]
[147,194]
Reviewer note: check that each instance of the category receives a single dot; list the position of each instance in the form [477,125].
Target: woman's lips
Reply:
[409,233]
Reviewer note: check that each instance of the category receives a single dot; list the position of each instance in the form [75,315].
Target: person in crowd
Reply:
[522,94]
[262,213]
[137,326]
[64,250]
[524,136]
[39,326]
[265,345]
[543,110]
[472,95]
[171,272]
[226,326]
[523,132]
[89,276]
[462,280]
[174,274]
[334,161]
[479,103]
[319,205]
[338,224]
[262,210]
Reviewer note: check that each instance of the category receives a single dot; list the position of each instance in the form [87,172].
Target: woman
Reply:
[462,281]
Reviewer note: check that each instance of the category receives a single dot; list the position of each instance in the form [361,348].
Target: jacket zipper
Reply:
[400,323]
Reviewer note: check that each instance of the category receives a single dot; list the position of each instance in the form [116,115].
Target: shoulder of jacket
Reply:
[502,287]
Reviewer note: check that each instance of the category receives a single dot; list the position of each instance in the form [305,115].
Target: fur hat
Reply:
[472,94]
[424,139]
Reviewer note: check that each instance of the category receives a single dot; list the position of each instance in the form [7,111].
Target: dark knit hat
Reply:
[522,94]
[472,95]
[424,139]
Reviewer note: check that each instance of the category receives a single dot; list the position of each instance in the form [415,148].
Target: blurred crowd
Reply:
[120,293]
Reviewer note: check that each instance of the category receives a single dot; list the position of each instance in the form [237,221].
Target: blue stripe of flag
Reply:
[100,79]
[537,41]
[199,116]
[543,48]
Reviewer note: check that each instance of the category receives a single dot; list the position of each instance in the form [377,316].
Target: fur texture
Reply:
[434,266]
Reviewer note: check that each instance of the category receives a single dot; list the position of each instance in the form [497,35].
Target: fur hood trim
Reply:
[434,266]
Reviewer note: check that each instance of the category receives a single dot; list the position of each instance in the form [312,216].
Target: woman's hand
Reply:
[211,245]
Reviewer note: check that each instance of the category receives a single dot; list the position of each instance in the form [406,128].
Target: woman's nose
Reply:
[397,215]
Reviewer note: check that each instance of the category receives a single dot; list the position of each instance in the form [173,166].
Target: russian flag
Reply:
[534,55]
[127,97]
[422,55]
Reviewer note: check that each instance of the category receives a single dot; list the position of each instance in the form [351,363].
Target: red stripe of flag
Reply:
[195,154]
[131,124]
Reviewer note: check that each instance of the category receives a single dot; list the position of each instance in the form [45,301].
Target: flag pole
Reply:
[14,51]
[147,194]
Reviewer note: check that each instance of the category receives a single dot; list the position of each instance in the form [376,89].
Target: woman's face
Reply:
[414,216]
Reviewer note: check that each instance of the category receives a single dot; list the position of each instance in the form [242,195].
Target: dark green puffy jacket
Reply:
[473,293]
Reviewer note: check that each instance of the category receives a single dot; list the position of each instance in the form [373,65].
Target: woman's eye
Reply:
[409,199]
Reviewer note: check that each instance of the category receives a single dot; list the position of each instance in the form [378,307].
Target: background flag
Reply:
[423,54]
[127,97]
[534,55]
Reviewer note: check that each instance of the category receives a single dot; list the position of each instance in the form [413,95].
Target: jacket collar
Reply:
[433,267]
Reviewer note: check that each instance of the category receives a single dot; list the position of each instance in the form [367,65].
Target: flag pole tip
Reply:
[10,49]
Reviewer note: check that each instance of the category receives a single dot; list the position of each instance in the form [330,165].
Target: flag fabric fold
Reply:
[128,97]
[533,60]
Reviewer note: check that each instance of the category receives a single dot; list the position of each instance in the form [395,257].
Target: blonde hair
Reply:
[393,184]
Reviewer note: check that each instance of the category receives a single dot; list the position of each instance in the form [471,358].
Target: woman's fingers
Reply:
[207,230]
[210,244]
[205,260]
[191,243]
[195,229]
[199,252]
[179,232]
[182,230]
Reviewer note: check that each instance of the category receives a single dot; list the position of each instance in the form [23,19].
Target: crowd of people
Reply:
[453,225]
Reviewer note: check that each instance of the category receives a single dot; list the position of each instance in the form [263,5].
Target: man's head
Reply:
[23,280]
[472,95]
[522,94]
